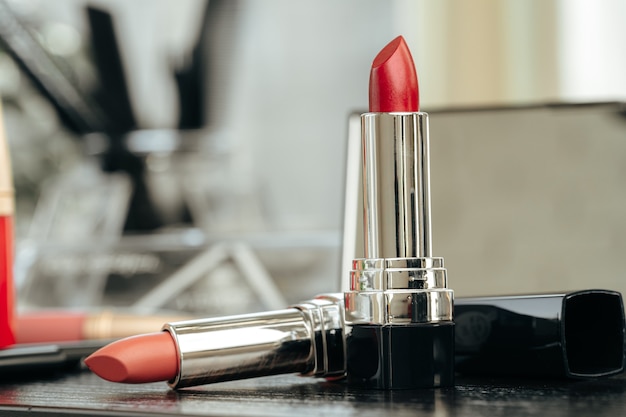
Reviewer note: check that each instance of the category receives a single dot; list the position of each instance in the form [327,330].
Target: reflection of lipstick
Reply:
[61,326]
[6,243]
[400,309]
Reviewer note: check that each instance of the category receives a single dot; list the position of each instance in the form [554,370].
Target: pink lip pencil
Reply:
[71,326]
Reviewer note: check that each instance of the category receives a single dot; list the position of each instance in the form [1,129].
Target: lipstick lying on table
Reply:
[307,338]
[399,305]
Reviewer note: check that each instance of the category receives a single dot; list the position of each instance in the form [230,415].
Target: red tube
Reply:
[7,336]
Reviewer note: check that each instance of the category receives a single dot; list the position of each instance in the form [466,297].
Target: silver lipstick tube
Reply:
[396,185]
[398,306]
[307,338]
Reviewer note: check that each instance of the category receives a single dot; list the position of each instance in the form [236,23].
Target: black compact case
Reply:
[574,335]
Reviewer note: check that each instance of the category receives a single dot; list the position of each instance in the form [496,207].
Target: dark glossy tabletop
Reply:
[82,393]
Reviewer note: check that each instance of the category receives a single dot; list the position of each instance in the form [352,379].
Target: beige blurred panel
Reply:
[530,200]
[483,51]
[475,52]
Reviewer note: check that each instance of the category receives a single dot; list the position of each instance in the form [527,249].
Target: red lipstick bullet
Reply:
[393,80]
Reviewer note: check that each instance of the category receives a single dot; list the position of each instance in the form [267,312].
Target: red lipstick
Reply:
[7,336]
[398,305]
[393,80]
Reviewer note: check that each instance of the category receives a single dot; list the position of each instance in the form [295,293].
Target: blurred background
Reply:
[191,155]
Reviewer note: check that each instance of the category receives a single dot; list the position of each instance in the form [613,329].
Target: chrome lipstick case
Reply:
[398,308]
[307,338]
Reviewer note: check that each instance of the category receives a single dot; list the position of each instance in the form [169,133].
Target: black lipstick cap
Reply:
[403,356]
[574,335]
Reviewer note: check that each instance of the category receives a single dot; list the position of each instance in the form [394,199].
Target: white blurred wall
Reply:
[302,66]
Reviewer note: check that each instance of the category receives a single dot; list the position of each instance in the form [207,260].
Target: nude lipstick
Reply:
[399,307]
[307,338]
[7,336]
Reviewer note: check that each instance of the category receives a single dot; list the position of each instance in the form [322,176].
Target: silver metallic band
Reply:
[398,274]
[399,307]
[383,293]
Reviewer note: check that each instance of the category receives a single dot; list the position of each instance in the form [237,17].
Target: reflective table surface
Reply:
[84,394]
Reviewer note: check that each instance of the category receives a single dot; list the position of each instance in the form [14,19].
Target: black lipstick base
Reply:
[401,356]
